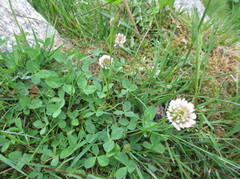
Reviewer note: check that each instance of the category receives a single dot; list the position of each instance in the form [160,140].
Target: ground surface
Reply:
[65,114]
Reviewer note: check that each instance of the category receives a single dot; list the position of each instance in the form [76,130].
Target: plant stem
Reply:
[130,15]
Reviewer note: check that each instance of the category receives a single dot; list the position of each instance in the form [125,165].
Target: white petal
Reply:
[192,122]
[176,126]
[193,116]
[187,125]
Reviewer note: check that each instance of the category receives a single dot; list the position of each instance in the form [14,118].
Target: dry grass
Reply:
[223,61]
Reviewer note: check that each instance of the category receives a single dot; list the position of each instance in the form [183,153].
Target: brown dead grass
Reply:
[223,61]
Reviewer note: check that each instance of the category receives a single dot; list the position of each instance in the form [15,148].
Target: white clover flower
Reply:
[120,39]
[105,61]
[181,114]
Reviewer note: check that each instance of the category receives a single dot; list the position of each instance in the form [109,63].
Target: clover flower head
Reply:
[105,61]
[181,114]
[120,39]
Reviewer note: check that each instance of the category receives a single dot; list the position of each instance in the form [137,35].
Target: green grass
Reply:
[63,116]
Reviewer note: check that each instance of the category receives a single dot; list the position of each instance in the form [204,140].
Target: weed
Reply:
[74,114]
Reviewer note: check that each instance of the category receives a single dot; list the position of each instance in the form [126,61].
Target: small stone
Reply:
[29,20]
[190,5]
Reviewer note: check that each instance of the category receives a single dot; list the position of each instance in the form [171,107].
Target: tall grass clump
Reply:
[156,97]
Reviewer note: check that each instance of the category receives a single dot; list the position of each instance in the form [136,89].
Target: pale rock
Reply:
[189,6]
[28,19]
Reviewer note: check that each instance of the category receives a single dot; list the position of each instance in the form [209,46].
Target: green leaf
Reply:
[90,127]
[123,92]
[126,83]
[124,122]
[155,139]
[149,124]
[122,157]
[70,76]
[60,102]
[95,149]
[132,87]
[24,160]
[88,114]
[38,124]
[18,122]
[40,176]
[26,111]
[43,130]
[78,157]
[99,112]
[62,116]
[82,82]
[159,148]
[118,112]
[43,74]
[32,66]
[61,93]
[73,115]
[131,166]
[5,146]
[33,174]
[54,82]
[90,162]
[55,161]
[113,152]
[132,125]
[116,133]
[89,89]
[59,57]
[114,1]
[129,85]
[126,106]
[166,2]
[35,79]
[121,173]
[66,152]
[24,101]
[69,89]
[149,114]
[101,94]
[147,145]
[33,53]
[51,108]
[130,114]
[103,160]
[15,156]
[56,113]
[62,124]
[75,122]
[90,176]
[90,138]
[35,103]
[72,140]
[9,162]
[109,145]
